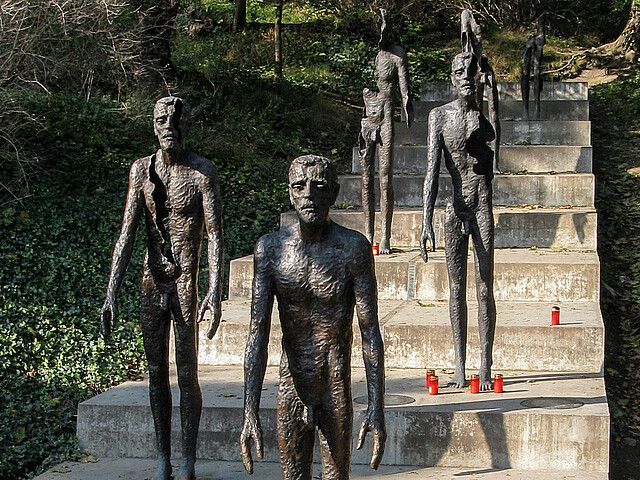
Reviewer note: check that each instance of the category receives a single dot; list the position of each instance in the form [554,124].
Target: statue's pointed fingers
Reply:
[361,434]
[247,461]
[378,450]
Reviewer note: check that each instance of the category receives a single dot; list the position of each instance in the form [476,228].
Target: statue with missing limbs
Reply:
[177,193]
[460,132]
[471,39]
[377,131]
[318,271]
[534,47]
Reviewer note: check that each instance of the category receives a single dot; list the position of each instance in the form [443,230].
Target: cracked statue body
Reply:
[177,193]
[318,271]
[460,132]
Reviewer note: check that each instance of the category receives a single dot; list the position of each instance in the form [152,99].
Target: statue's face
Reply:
[463,72]
[311,193]
[170,123]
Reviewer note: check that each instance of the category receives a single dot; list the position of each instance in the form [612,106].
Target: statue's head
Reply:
[385,29]
[171,122]
[313,188]
[463,71]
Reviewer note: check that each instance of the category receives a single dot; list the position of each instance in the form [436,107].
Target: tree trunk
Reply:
[240,15]
[628,39]
[278,38]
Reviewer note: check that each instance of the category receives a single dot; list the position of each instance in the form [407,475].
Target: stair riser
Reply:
[555,91]
[513,159]
[539,228]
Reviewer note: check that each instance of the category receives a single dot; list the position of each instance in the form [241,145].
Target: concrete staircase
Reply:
[553,417]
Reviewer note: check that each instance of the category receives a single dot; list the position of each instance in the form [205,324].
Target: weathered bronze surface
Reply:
[471,39]
[377,130]
[460,131]
[178,194]
[318,271]
[535,45]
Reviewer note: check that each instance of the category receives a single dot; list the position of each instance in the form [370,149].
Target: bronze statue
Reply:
[534,47]
[178,194]
[377,129]
[318,271]
[471,39]
[460,131]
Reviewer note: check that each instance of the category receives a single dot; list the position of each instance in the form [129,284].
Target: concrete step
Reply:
[520,275]
[559,228]
[559,190]
[143,469]
[452,429]
[412,159]
[418,335]
[550,110]
[577,133]
[556,91]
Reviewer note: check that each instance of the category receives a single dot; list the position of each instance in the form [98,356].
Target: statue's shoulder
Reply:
[269,246]
[140,168]
[202,165]
[352,238]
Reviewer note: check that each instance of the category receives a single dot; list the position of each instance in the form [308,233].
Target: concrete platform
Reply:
[539,132]
[418,335]
[550,110]
[143,469]
[557,91]
[513,159]
[452,429]
[559,228]
[520,275]
[564,189]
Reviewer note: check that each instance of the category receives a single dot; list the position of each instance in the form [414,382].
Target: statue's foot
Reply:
[486,384]
[458,381]
[164,470]
[496,170]
[385,247]
[187,470]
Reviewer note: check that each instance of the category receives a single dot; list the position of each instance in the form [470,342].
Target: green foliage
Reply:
[616,127]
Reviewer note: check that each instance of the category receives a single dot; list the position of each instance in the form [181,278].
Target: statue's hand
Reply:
[108,315]
[251,430]
[427,235]
[214,304]
[374,422]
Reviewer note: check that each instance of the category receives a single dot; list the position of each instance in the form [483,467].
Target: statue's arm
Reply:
[365,290]
[405,92]
[255,357]
[430,187]
[212,206]
[124,246]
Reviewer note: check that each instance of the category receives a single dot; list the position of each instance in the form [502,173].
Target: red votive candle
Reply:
[498,384]
[375,249]
[433,385]
[474,386]
[430,373]
[555,315]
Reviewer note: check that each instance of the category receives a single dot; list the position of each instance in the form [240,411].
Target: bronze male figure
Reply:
[178,194]
[318,271]
[535,45]
[460,131]
[377,131]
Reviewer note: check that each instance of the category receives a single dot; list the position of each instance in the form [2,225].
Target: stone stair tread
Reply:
[454,428]
[142,469]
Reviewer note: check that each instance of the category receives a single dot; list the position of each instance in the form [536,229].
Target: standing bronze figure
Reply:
[534,47]
[460,131]
[471,39]
[178,194]
[377,130]
[318,271]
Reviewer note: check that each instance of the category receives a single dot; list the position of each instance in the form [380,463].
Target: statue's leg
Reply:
[186,336]
[456,245]
[335,420]
[482,232]
[537,82]
[296,430]
[494,118]
[366,156]
[385,160]
[155,334]
[524,81]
